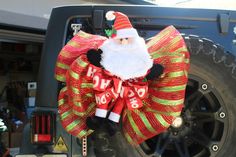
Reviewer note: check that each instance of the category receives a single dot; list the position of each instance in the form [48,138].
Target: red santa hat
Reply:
[122,26]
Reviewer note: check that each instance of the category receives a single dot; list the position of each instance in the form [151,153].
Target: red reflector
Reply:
[43,124]
[37,124]
[42,138]
[48,122]
[43,127]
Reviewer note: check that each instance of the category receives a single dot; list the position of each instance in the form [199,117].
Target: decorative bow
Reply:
[165,100]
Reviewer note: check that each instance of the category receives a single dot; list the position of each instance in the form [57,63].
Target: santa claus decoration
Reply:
[122,79]
[125,56]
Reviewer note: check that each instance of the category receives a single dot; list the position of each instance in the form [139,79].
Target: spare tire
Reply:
[207,127]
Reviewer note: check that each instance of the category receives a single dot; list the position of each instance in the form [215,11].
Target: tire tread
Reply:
[196,45]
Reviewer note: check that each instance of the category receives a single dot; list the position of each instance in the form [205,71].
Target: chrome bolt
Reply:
[204,86]
[177,122]
[215,148]
[222,115]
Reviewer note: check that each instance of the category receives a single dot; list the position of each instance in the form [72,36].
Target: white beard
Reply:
[126,61]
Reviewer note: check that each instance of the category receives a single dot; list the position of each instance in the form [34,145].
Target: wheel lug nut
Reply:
[175,133]
[222,115]
[204,86]
[215,148]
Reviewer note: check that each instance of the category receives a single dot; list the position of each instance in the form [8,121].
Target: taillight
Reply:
[43,127]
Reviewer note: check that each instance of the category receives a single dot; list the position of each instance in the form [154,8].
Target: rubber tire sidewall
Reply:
[205,65]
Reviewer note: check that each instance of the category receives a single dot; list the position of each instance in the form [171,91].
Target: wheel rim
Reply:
[201,129]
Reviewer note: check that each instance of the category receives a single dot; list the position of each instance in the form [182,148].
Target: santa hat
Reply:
[122,27]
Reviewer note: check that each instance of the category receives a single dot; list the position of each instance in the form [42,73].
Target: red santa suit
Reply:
[126,57]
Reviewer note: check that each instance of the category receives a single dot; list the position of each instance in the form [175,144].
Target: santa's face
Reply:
[123,41]
[126,58]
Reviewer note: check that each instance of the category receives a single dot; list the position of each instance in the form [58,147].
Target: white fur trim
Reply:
[110,16]
[101,113]
[114,117]
[125,33]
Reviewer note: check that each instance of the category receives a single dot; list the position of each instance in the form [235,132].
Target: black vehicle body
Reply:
[216,26]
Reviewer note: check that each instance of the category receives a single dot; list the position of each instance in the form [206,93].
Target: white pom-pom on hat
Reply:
[122,25]
[110,15]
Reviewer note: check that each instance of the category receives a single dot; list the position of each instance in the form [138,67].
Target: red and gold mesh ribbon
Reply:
[165,95]
[79,44]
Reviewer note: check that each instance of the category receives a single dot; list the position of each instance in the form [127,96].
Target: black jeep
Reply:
[208,127]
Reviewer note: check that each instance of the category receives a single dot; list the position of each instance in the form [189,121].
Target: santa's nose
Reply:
[124,41]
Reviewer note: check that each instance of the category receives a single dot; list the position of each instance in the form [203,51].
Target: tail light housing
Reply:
[43,127]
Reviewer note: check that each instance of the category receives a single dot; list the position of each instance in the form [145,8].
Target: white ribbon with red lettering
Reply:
[108,87]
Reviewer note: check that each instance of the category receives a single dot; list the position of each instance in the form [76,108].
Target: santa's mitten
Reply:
[155,72]
[95,122]
[112,127]
[94,57]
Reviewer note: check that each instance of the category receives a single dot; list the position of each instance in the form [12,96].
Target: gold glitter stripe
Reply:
[86,85]
[62,65]
[134,126]
[155,54]
[61,102]
[72,125]
[73,44]
[64,89]
[83,34]
[147,123]
[164,113]
[186,60]
[177,60]
[167,102]
[76,103]
[75,90]
[84,133]
[61,78]
[89,95]
[172,43]
[176,74]
[162,121]
[171,88]
[65,114]
[89,109]
[81,63]
[129,139]
[165,32]
[65,53]
[73,74]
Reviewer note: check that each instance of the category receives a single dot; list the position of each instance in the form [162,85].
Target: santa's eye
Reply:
[126,38]
[121,39]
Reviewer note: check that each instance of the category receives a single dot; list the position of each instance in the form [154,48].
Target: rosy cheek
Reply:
[130,40]
[117,41]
